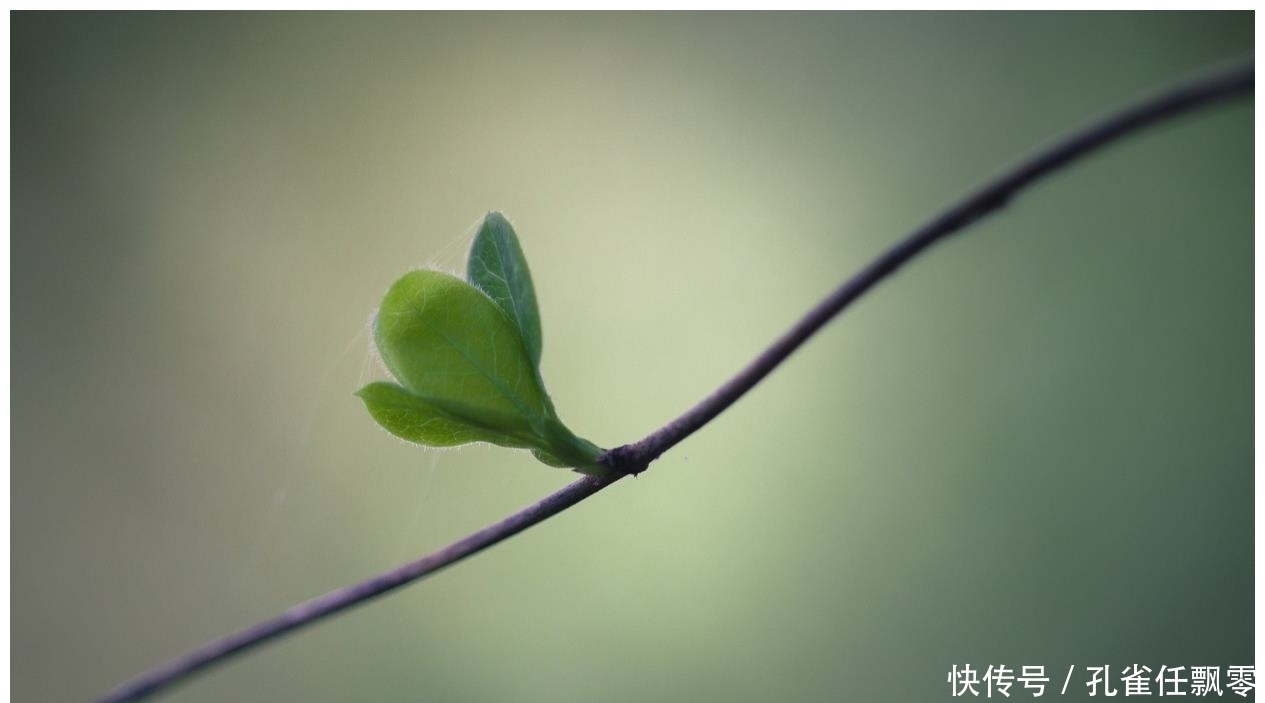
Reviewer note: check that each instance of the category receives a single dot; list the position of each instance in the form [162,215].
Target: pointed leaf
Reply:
[496,266]
[449,345]
[464,375]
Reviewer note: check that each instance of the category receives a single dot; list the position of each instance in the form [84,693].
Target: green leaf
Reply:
[449,344]
[409,417]
[464,375]
[496,266]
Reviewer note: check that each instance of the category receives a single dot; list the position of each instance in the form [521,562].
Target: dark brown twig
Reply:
[634,458]
[316,609]
[991,197]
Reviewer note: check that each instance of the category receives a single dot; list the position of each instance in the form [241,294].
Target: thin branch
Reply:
[993,196]
[316,609]
[634,458]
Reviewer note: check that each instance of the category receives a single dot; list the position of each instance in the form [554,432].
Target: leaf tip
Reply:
[495,217]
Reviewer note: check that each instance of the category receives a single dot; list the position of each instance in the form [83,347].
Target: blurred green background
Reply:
[1033,446]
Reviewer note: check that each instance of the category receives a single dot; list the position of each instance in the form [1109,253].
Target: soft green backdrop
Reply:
[1034,446]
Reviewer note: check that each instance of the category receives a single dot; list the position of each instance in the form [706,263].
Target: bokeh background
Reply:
[1032,447]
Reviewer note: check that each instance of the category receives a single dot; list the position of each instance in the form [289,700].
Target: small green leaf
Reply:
[496,266]
[446,342]
[464,375]
[409,417]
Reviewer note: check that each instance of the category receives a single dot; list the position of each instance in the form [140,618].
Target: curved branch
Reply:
[316,609]
[991,197]
[634,458]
